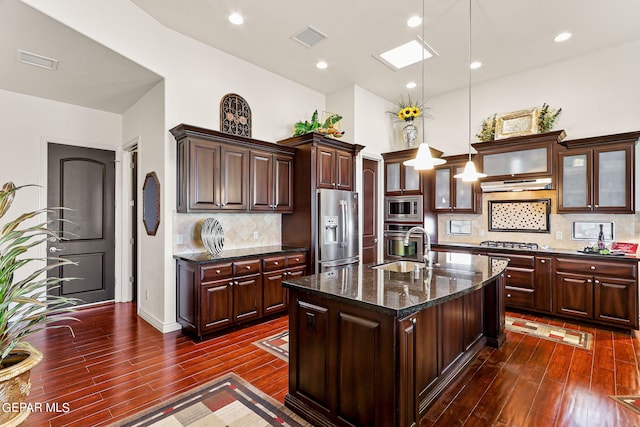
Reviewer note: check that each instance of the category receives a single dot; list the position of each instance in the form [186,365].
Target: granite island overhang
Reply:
[373,347]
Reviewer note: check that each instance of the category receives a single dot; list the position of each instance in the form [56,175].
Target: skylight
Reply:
[406,54]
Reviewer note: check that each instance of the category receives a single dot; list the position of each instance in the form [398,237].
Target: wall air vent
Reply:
[36,60]
[309,37]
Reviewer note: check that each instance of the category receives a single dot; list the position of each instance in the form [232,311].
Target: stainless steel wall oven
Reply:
[394,242]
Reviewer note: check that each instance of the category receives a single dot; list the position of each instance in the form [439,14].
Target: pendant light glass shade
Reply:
[424,160]
[470,174]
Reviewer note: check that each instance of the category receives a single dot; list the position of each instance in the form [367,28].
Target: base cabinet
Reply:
[276,269]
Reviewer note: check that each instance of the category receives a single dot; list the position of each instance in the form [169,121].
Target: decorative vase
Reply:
[410,134]
[15,384]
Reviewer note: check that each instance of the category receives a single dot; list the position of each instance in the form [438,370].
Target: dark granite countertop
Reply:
[401,294]
[236,254]
[539,251]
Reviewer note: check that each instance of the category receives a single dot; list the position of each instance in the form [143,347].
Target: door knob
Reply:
[53,249]
[375,241]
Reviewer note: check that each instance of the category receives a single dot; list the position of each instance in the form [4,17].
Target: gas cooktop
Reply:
[509,245]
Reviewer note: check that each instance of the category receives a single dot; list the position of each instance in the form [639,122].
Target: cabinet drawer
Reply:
[520,277]
[518,297]
[516,260]
[296,260]
[597,267]
[244,268]
[209,273]
[274,263]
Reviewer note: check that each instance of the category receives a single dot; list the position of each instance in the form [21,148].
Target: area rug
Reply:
[631,402]
[225,401]
[277,344]
[549,332]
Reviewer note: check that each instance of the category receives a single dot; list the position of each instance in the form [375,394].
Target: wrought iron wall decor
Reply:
[235,115]
[520,215]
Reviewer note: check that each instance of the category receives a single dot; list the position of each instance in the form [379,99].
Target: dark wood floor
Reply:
[118,364]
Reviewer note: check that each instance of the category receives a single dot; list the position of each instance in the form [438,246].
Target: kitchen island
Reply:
[370,346]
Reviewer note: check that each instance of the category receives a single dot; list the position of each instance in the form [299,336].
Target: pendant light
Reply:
[470,174]
[424,160]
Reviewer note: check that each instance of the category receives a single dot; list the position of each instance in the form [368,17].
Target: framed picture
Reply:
[517,123]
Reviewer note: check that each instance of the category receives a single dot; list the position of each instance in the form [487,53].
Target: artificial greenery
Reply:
[25,306]
[547,118]
[328,126]
[488,130]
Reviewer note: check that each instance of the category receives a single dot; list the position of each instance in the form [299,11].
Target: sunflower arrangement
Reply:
[408,110]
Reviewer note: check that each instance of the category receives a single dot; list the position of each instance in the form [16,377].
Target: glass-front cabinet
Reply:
[597,174]
[452,195]
[401,180]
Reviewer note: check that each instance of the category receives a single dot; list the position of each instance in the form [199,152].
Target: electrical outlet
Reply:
[179,239]
[255,235]
[146,295]
[558,235]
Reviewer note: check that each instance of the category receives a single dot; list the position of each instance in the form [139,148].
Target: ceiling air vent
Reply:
[36,60]
[309,37]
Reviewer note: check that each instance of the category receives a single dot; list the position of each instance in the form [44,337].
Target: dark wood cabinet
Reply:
[602,291]
[401,180]
[453,195]
[543,279]
[212,296]
[221,172]
[271,182]
[597,175]
[520,285]
[335,169]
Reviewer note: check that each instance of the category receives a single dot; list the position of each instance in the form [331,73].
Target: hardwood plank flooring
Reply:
[118,364]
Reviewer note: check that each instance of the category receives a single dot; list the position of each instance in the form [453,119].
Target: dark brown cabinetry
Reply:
[221,172]
[321,162]
[276,269]
[401,180]
[604,292]
[271,182]
[452,195]
[597,175]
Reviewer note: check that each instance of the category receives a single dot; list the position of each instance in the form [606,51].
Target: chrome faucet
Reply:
[427,244]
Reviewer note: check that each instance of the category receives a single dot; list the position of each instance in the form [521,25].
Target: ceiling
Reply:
[508,37]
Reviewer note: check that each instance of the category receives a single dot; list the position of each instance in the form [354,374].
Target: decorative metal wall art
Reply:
[520,215]
[235,115]
[212,236]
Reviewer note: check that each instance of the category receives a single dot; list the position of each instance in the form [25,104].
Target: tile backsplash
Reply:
[240,230]
[627,227]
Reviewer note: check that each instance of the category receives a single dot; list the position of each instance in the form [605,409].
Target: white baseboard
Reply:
[153,321]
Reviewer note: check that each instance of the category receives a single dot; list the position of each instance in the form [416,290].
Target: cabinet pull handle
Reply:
[593,267]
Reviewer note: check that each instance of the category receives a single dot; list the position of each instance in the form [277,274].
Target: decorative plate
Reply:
[212,236]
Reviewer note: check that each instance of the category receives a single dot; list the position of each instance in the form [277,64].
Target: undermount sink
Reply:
[401,266]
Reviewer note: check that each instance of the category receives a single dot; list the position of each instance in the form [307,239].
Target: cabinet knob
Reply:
[596,206]
[593,267]
[543,261]
[508,276]
[217,271]
[231,284]
[298,259]
[248,267]
[508,295]
[275,263]
[597,282]
[414,321]
[589,206]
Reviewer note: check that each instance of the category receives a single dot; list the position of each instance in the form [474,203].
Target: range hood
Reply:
[517,185]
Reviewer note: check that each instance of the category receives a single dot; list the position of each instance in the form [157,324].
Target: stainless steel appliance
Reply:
[338,237]
[509,245]
[403,209]
[394,242]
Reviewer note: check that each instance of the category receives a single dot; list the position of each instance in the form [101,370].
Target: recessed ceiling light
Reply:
[475,65]
[406,54]
[236,19]
[414,21]
[562,37]
[322,65]
[36,60]
[411,85]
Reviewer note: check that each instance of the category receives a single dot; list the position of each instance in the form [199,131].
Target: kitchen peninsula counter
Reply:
[376,347]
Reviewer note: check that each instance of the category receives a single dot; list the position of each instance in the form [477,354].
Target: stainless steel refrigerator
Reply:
[338,237]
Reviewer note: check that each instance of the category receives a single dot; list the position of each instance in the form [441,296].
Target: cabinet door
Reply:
[443,190]
[616,301]
[464,194]
[204,158]
[612,180]
[523,163]
[247,298]
[407,387]
[543,280]
[326,168]
[283,183]
[575,182]
[216,305]
[234,163]
[344,170]
[274,295]
[392,178]
[574,295]
[261,182]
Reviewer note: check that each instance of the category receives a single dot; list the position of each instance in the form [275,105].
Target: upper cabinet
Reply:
[452,195]
[521,157]
[399,179]
[597,175]
[222,172]
[332,160]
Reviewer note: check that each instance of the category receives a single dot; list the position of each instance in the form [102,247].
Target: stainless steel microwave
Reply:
[403,209]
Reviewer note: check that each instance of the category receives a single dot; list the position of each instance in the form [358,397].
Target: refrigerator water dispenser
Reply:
[330,225]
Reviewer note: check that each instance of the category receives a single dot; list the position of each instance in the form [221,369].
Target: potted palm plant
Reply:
[25,307]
